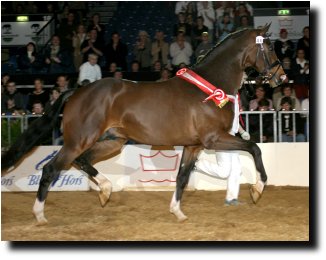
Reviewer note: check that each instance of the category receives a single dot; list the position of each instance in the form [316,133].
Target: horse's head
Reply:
[263,58]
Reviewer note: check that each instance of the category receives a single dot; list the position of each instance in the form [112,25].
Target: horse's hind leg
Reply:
[50,172]
[187,163]
[100,150]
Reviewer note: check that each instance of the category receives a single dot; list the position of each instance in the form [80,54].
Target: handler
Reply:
[228,162]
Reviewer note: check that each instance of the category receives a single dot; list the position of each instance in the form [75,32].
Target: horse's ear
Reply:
[265,29]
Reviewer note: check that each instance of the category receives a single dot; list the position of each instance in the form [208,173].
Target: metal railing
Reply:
[15,124]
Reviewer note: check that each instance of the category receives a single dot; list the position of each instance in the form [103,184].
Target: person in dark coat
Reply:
[116,51]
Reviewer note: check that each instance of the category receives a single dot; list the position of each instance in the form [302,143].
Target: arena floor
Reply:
[281,215]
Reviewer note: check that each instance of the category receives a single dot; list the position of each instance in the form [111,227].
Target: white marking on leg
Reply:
[105,188]
[38,210]
[175,208]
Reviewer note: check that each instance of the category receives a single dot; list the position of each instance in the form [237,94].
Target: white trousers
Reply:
[227,164]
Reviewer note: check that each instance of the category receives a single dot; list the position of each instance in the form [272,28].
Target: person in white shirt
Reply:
[90,71]
[180,51]
[205,9]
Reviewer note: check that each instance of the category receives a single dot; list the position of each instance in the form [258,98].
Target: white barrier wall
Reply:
[139,167]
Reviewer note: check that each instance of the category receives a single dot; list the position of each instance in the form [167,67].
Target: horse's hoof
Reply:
[255,194]
[179,214]
[182,219]
[105,192]
[42,222]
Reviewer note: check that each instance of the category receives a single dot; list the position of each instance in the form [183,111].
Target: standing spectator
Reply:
[64,14]
[287,123]
[300,74]
[197,31]
[267,123]
[116,51]
[283,46]
[12,101]
[204,46]
[89,71]
[142,51]
[66,31]
[38,94]
[260,94]
[287,91]
[182,26]
[160,49]
[180,51]
[96,25]
[240,11]
[92,45]
[29,61]
[181,7]
[62,83]
[58,59]
[224,8]
[205,9]
[225,27]
[77,42]
[303,43]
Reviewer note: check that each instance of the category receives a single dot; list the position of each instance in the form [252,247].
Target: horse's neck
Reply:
[223,70]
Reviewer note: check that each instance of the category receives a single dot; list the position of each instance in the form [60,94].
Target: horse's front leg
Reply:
[187,163]
[229,142]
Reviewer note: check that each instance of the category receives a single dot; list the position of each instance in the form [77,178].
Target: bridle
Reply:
[267,64]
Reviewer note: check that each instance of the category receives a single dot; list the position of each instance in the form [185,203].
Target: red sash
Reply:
[215,94]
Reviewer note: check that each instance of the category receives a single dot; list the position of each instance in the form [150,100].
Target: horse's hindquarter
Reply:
[166,113]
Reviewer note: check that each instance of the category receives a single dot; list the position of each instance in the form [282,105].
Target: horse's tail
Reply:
[36,132]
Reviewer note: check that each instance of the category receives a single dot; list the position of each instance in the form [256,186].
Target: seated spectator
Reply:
[157,66]
[116,51]
[267,123]
[113,67]
[89,71]
[77,42]
[62,83]
[38,94]
[165,75]
[29,61]
[284,47]
[135,66]
[12,101]
[304,43]
[305,107]
[160,49]
[142,51]
[204,46]
[300,74]
[182,26]
[205,10]
[118,74]
[37,108]
[96,25]
[54,95]
[287,91]
[197,31]
[180,51]
[225,27]
[244,23]
[92,45]
[4,79]
[287,123]
[260,94]
[57,58]
[286,64]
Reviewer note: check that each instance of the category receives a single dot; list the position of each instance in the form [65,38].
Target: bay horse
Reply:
[165,113]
